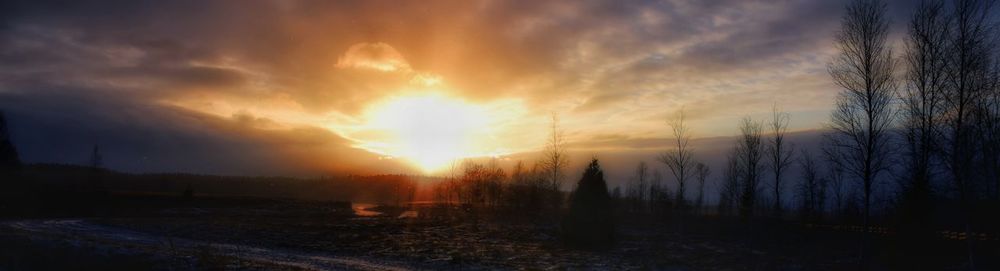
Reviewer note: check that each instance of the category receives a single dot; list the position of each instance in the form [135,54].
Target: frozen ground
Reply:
[115,240]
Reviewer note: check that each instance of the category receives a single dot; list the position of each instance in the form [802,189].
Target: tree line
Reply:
[926,118]
[922,117]
[529,191]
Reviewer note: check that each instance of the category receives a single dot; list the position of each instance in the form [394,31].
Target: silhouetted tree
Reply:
[96,172]
[659,194]
[702,171]
[812,189]
[749,155]
[779,153]
[494,186]
[863,115]
[616,198]
[589,222]
[188,191]
[925,59]
[638,188]
[9,160]
[96,159]
[925,82]
[616,194]
[479,185]
[837,180]
[968,86]
[680,159]
[988,123]
[555,161]
[522,193]
[729,190]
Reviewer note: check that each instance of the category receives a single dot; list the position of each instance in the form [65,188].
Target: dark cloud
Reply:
[142,137]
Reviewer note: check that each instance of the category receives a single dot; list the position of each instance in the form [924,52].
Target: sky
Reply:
[305,88]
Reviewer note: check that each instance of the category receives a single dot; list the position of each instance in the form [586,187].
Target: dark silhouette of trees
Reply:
[525,190]
[838,184]
[589,222]
[96,178]
[968,80]
[680,159]
[96,159]
[701,173]
[729,189]
[638,191]
[404,191]
[779,154]
[749,157]
[926,61]
[554,163]
[863,116]
[812,189]
[494,185]
[988,122]
[659,194]
[11,190]
[477,185]
[9,160]
[616,195]
[188,192]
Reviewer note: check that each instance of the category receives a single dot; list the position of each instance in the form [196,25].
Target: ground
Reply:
[307,236]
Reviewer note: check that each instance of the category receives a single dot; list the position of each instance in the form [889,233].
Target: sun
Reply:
[430,131]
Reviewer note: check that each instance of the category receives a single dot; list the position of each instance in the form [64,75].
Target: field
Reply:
[159,232]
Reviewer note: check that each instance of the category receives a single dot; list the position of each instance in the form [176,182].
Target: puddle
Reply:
[361,209]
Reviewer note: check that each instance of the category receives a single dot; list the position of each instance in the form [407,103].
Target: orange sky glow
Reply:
[386,87]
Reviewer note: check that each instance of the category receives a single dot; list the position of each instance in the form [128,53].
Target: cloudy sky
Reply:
[311,87]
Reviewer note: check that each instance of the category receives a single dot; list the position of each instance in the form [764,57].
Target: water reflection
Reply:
[362,209]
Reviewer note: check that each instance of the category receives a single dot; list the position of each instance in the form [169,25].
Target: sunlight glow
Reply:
[429,131]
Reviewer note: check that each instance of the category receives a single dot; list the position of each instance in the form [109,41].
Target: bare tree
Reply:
[837,184]
[968,85]
[519,184]
[729,190]
[925,58]
[921,95]
[680,160]
[749,155]
[779,153]
[989,125]
[638,187]
[96,160]
[812,190]
[522,192]
[702,171]
[555,161]
[659,195]
[96,175]
[494,184]
[863,116]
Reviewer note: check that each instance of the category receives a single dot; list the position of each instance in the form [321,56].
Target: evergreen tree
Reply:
[589,222]
[9,160]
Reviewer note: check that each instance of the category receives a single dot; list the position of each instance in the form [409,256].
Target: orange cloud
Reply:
[376,56]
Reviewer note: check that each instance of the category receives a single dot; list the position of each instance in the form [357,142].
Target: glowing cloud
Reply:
[375,56]
[426,80]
